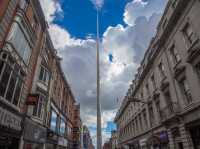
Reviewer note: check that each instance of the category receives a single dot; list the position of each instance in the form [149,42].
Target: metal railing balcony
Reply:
[170,111]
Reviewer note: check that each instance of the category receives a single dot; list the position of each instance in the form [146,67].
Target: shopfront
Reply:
[158,141]
[143,143]
[52,140]
[10,127]
[62,142]
[34,135]
[194,130]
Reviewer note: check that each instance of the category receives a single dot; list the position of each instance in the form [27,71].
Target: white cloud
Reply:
[145,8]
[50,8]
[62,38]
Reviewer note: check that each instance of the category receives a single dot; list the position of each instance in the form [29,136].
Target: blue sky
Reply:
[126,28]
[79,16]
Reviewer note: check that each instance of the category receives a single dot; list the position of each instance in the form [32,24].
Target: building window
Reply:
[158,108]
[19,42]
[140,121]
[23,4]
[162,70]
[151,115]
[174,3]
[44,75]
[145,119]
[153,82]
[186,90]
[62,127]
[189,34]
[53,121]
[198,69]
[39,109]
[11,79]
[147,89]
[174,55]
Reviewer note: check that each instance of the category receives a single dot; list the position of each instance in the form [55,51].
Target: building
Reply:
[114,139]
[20,43]
[37,105]
[107,145]
[168,83]
[87,140]
[77,128]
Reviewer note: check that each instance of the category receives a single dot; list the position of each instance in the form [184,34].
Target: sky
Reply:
[126,28]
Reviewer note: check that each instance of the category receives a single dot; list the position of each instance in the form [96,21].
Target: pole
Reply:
[99,137]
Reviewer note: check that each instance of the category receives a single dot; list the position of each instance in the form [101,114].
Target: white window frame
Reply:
[17,27]
[19,77]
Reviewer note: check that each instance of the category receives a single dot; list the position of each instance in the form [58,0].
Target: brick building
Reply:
[77,128]
[36,102]
[168,83]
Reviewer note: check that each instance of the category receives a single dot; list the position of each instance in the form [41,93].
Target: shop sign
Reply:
[10,120]
[32,99]
[34,132]
[62,141]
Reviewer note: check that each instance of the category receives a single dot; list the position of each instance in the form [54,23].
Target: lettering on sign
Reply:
[10,120]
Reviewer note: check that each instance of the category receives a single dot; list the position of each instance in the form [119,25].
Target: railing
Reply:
[171,110]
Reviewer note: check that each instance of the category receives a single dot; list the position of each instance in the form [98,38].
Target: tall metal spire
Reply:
[99,136]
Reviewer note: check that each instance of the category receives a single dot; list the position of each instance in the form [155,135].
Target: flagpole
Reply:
[99,136]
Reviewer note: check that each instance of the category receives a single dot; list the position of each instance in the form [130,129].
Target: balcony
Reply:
[170,111]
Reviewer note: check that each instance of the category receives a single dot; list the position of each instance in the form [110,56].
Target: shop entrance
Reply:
[195,135]
[9,143]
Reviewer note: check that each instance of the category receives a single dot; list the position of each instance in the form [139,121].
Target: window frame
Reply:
[18,78]
[17,26]
[46,75]
[41,100]
[161,69]
[186,92]
[176,58]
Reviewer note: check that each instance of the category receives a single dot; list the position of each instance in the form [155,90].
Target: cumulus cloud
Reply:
[137,8]
[51,8]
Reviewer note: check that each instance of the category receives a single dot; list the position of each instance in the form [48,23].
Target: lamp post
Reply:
[99,136]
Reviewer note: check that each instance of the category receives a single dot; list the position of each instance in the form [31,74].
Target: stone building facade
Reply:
[36,102]
[168,83]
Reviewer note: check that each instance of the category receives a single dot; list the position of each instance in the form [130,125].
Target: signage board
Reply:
[32,99]
[10,120]
[62,141]
[34,132]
